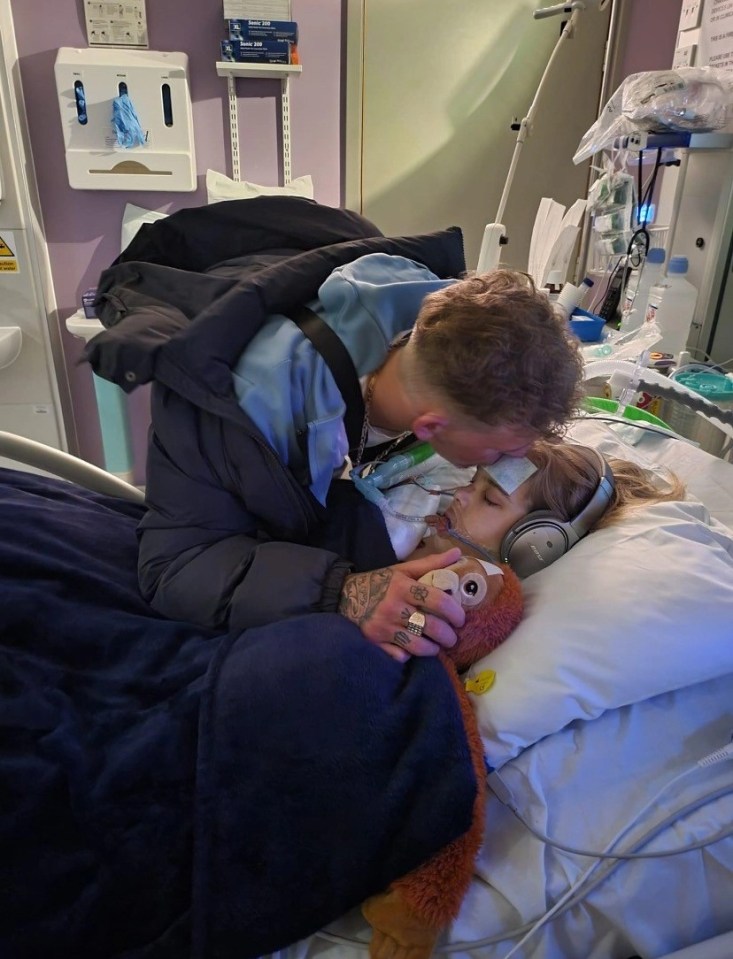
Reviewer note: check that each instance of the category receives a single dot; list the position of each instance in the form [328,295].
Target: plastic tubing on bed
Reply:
[68,467]
[387,473]
[665,387]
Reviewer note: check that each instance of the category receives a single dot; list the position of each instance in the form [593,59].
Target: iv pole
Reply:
[495,235]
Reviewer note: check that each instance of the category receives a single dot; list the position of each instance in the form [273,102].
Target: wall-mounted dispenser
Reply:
[90,82]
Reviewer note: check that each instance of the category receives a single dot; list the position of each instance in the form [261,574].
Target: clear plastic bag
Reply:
[687,100]
[624,346]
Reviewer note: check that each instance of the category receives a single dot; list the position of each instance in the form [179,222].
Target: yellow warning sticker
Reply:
[8,258]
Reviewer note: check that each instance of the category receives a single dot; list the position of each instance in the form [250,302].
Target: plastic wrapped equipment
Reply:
[687,100]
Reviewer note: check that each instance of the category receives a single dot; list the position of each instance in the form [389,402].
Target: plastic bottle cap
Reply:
[678,264]
[655,255]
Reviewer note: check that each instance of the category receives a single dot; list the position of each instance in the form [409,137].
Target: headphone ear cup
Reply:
[536,542]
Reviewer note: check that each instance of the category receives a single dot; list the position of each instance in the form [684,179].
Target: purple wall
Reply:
[652,36]
[83,226]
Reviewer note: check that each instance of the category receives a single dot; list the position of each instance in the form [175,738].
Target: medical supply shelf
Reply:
[259,71]
[687,144]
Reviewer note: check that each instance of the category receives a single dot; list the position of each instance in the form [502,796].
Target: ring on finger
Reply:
[416,623]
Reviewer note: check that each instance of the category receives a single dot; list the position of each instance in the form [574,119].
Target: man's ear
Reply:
[427,425]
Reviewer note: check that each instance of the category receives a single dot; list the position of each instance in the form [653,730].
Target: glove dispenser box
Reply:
[89,81]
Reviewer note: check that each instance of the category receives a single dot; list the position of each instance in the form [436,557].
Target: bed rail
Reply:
[65,466]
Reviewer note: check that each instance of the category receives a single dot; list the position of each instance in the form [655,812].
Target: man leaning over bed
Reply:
[251,518]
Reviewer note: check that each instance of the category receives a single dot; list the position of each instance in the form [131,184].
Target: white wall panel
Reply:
[433,89]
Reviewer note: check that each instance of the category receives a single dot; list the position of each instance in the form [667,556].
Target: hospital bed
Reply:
[612,733]
[607,732]
[611,751]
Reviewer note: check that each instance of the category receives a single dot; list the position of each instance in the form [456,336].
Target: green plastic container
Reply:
[600,405]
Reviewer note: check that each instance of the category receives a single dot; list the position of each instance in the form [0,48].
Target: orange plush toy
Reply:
[408,918]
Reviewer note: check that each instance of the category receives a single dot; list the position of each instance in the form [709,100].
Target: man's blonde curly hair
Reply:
[496,349]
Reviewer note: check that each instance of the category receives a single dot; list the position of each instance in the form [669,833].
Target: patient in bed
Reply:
[558,484]
[434,505]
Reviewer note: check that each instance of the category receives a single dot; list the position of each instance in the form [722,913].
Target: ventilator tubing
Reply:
[664,386]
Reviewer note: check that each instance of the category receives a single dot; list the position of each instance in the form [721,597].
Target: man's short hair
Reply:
[494,346]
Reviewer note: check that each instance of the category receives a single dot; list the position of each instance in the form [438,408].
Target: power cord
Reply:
[637,424]
[576,891]
[720,755]
[505,797]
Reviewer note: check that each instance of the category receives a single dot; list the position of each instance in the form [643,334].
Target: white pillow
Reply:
[639,609]
[220,187]
[133,218]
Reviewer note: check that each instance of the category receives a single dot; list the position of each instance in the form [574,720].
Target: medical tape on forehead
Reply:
[510,472]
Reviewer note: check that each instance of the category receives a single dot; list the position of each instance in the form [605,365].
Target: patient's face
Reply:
[484,513]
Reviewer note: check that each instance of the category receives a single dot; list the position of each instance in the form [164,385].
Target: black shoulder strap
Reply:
[339,361]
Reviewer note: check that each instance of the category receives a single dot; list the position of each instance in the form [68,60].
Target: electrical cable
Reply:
[648,427]
[645,194]
[594,854]
[621,264]
[695,349]
[575,887]
[548,840]
[696,368]
[612,866]
[601,296]
[573,894]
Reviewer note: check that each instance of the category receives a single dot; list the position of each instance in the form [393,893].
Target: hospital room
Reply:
[366,479]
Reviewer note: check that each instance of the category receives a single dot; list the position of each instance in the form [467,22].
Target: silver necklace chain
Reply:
[368,393]
[366,424]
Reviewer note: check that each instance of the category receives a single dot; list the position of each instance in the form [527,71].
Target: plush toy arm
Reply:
[408,918]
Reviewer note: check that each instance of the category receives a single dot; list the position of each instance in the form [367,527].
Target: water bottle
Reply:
[570,297]
[637,292]
[672,304]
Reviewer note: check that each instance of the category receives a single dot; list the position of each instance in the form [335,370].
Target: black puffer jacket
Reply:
[232,538]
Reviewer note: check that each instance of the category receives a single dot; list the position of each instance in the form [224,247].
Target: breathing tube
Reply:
[386,474]
[372,478]
[640,376]
[445,528]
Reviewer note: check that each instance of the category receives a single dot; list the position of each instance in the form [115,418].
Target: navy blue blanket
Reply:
[167,792]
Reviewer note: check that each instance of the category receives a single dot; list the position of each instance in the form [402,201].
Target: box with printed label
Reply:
[263,30]
[256,51]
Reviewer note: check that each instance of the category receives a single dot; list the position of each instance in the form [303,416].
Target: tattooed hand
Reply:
[381,602]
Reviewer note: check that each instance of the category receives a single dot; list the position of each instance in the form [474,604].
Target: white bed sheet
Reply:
[584,784]
[611,767]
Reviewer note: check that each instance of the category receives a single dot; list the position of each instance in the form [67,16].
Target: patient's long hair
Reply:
[568,474]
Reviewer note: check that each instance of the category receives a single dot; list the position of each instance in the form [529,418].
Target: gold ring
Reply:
[416,623]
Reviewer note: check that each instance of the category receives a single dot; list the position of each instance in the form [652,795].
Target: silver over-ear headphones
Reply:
[541,537]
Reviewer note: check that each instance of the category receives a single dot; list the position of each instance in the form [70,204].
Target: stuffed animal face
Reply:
[492,599]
